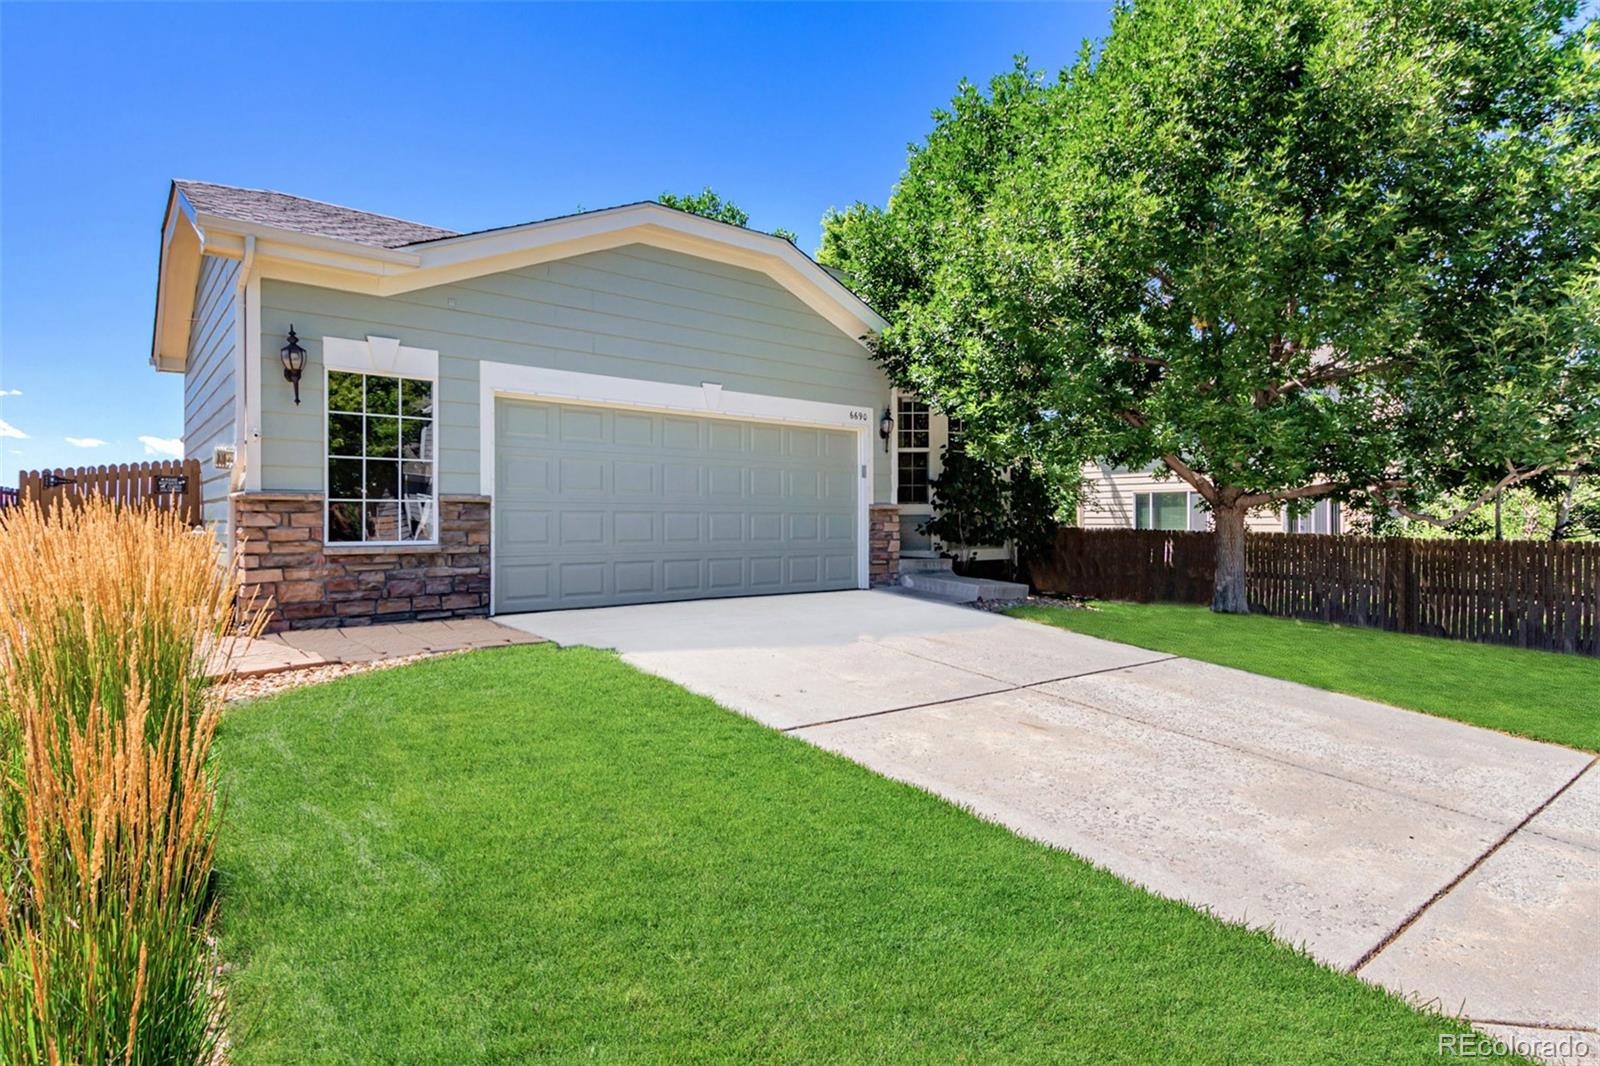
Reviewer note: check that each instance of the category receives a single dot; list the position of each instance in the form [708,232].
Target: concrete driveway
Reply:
[1451,864]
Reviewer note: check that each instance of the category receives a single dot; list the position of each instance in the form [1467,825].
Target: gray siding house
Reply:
[618,406]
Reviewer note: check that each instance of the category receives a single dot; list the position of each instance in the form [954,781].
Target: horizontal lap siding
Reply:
[1108,499]
[636,312]
[209,382]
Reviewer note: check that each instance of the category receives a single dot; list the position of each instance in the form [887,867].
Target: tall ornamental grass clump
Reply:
[112,623]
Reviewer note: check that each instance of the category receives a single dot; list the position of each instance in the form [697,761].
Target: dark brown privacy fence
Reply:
[169,483]
[1533,594]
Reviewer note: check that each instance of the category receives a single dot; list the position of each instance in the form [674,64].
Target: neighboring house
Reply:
[1118,498]
[618,406]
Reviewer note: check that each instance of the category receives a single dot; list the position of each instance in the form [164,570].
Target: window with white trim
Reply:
[1322,518]
[381,485]
[1170,510]
[912,444]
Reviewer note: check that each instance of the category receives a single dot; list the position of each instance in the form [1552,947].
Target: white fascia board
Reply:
[385,272]
[288,242]
[664,227]
[181,242]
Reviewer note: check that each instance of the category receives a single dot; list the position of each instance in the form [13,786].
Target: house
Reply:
[1120,498]
[617,406]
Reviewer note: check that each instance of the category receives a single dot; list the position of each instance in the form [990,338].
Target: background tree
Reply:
[708,204]
[1563,507]
[1288,249]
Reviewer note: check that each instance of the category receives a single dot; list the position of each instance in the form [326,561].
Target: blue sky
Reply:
[461,116]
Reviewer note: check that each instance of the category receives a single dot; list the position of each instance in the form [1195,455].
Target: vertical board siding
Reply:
[1533,594]
[126,485]
[634,312]
[209,381]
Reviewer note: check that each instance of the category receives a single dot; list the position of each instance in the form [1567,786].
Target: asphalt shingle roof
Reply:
[306,216]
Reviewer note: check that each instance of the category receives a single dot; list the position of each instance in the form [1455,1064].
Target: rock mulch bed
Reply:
[1076,602]
[241,689]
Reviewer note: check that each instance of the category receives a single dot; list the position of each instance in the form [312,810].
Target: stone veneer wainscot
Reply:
[312,585]
[883,544]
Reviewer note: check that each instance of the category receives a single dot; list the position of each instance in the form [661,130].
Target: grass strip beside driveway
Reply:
[537,852]
[1537,694]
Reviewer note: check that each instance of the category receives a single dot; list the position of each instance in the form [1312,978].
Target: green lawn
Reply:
[1535,694]
[540,853]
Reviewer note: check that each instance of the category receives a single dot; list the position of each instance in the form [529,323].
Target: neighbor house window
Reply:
[911,438]
[1166,510]
[1323,518]
[380,459]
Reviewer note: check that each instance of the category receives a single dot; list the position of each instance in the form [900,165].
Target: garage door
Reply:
[596,506]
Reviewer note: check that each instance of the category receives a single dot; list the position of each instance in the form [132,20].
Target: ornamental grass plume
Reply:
[112,623]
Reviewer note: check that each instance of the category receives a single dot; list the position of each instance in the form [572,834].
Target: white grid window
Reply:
[912,440]
[380,486]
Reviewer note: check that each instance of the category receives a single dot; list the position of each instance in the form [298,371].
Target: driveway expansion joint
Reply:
[971,696]
[1559,1027]
[1454,882]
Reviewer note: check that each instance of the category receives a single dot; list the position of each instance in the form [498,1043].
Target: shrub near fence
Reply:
[1533,594]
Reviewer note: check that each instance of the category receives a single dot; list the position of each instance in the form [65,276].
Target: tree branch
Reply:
[1321,488]
[1198,482]
[1514,477]
[1325,375]
[1147,360]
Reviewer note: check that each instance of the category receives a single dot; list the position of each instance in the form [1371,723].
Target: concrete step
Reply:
[911,564]
[958,589]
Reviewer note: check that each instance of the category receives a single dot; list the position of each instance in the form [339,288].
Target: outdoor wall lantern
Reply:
[885,428]
[294,361]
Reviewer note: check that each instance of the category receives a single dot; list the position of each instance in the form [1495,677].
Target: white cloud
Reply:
[10,392]
[8,430]
[85,442]
[171,447]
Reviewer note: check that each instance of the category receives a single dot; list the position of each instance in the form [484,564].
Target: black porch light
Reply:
[885,428]
[294,362]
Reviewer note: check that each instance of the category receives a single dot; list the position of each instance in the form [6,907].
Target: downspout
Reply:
[244,408]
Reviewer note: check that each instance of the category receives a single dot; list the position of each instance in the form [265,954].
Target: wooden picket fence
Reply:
[1533,594]
[173,483]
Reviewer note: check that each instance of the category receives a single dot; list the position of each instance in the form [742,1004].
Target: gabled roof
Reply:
[283,236]
[311,217]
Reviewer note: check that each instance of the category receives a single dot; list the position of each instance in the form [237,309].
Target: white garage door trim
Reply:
[569,386]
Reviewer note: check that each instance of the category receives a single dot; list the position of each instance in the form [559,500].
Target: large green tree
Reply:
[707,204]
[1288,249]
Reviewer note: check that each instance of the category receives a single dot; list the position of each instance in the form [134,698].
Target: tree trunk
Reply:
[1564,509]
[1227,593]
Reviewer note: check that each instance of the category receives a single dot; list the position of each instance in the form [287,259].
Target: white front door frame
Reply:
[709,399]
